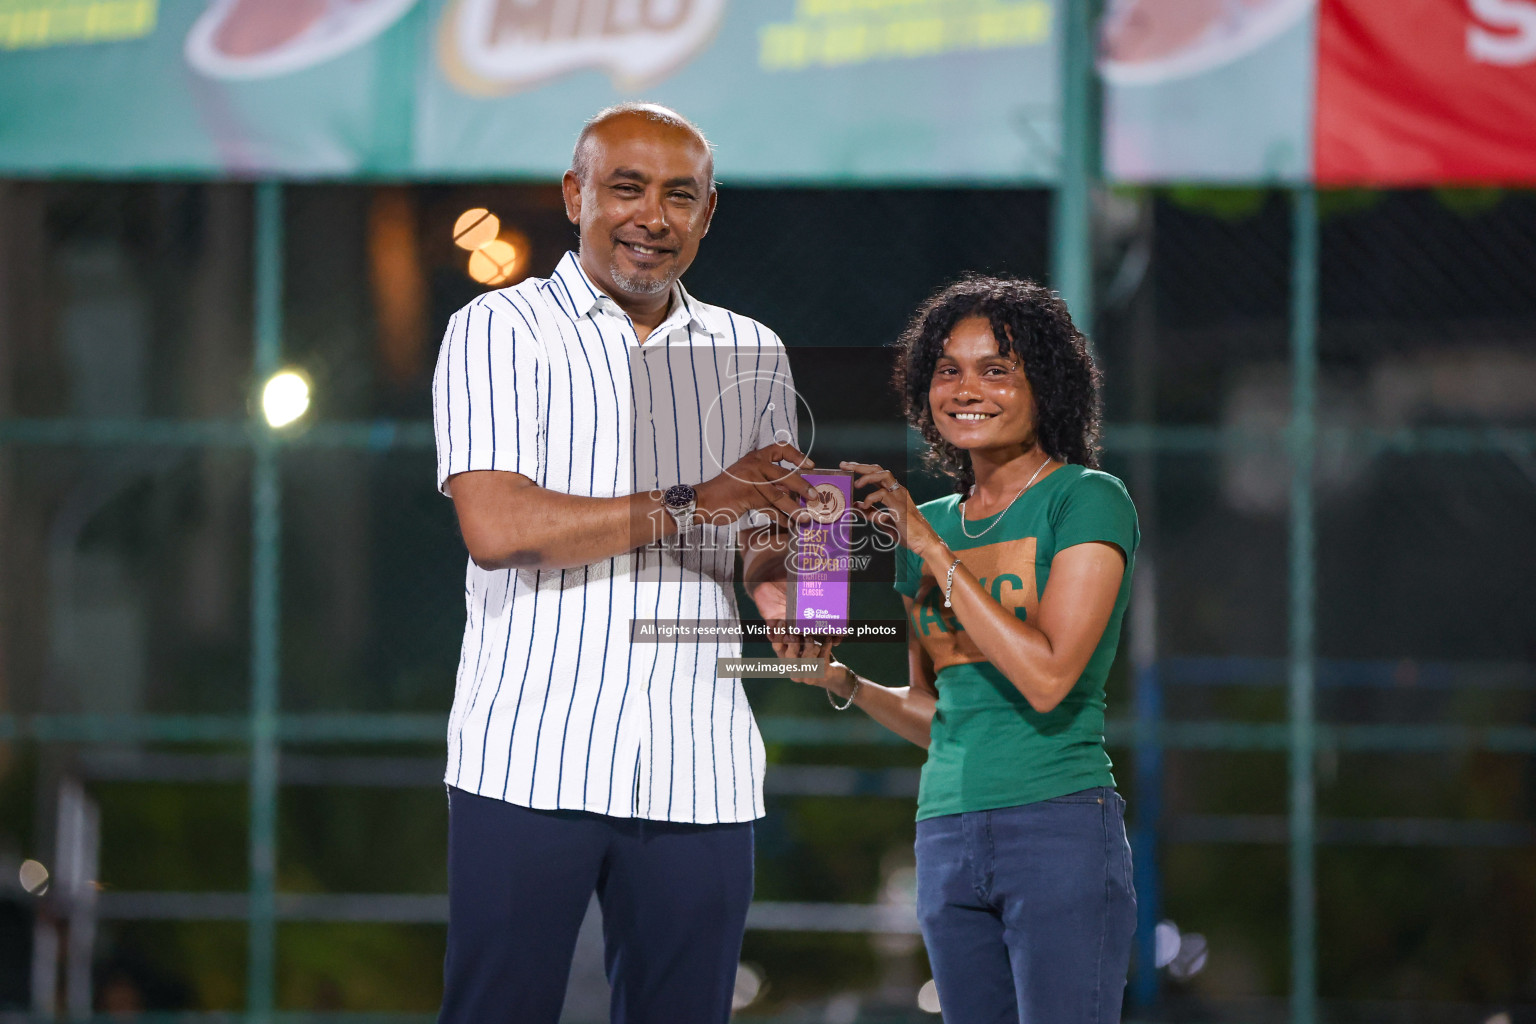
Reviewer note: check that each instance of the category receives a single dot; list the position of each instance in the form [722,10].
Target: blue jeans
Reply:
[1028,912]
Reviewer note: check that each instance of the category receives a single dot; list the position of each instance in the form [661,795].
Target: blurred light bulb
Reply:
[749,982]
[34,877]
[475,229]
[285,397]
[493,262]
[1165,940]
[842,1008]
[1192,956]
[928,997]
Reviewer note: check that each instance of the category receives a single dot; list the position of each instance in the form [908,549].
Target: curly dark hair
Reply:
[1029,321]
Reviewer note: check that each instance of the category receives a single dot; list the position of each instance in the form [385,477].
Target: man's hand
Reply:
[757,481]
[771,598]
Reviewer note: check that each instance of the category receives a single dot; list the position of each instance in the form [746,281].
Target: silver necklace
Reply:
[999,518]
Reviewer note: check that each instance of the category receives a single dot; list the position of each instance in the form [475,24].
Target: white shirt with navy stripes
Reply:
[554,706]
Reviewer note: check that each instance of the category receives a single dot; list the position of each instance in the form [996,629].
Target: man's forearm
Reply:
[511,523]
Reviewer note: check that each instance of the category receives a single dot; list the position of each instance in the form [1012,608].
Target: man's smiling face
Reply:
[645,203]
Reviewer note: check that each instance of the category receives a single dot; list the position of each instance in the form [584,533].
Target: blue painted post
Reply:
[1072,222]
[1148,820]
[266,525]
[1147,825]
[1303,606]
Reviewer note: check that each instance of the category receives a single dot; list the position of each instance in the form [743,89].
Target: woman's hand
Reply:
[834,677]
[897,512]
[906,711]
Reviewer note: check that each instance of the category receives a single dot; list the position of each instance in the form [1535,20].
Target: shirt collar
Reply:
[585,297]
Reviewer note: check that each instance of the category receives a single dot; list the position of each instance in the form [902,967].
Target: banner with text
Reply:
[1201,90]
[789,90]
[1425,92]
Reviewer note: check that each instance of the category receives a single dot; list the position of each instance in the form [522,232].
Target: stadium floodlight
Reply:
[285,397]
[494,262]
[476,229]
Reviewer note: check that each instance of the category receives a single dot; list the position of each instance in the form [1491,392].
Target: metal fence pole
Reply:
[1142,621]
[1303,604]
[266,519]
[1072,222]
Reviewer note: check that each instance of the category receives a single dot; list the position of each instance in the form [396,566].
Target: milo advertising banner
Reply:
[1365,92]
[1338,92]
[1208,90]
[811,90]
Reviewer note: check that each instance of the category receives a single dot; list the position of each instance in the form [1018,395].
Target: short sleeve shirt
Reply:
[988,748]
[556,707]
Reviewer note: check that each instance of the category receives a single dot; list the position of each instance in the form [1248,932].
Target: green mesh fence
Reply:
[241,644]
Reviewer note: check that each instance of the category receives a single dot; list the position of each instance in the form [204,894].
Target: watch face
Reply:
[678,496]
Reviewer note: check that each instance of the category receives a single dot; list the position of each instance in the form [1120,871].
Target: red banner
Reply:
[1424,92]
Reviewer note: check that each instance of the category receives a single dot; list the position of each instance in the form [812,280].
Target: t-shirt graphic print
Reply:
[988,748]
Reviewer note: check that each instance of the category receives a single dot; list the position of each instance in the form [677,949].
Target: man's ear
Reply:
[570,187]
[709,211]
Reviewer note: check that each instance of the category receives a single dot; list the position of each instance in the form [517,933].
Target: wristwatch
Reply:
[680,500]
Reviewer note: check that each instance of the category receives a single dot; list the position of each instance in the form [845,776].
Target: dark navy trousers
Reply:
[674,899]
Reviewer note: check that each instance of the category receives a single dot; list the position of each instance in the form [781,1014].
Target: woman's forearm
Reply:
[1018,650]
[902,710]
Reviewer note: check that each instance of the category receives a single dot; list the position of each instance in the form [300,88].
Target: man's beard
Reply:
[639,284]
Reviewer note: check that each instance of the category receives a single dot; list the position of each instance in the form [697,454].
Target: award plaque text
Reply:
[819,553]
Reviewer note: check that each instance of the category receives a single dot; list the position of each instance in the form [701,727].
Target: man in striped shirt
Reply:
[602,434]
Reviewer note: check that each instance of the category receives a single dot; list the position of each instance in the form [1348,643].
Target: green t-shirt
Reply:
[988,748]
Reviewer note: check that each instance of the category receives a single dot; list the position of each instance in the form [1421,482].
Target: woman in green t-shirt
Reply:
[1015,587]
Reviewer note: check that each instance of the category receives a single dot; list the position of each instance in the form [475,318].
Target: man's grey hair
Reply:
[581,156]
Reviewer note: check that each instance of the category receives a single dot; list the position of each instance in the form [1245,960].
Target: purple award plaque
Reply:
[819,553]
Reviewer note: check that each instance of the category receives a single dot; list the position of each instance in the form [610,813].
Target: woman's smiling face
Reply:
[980,397]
